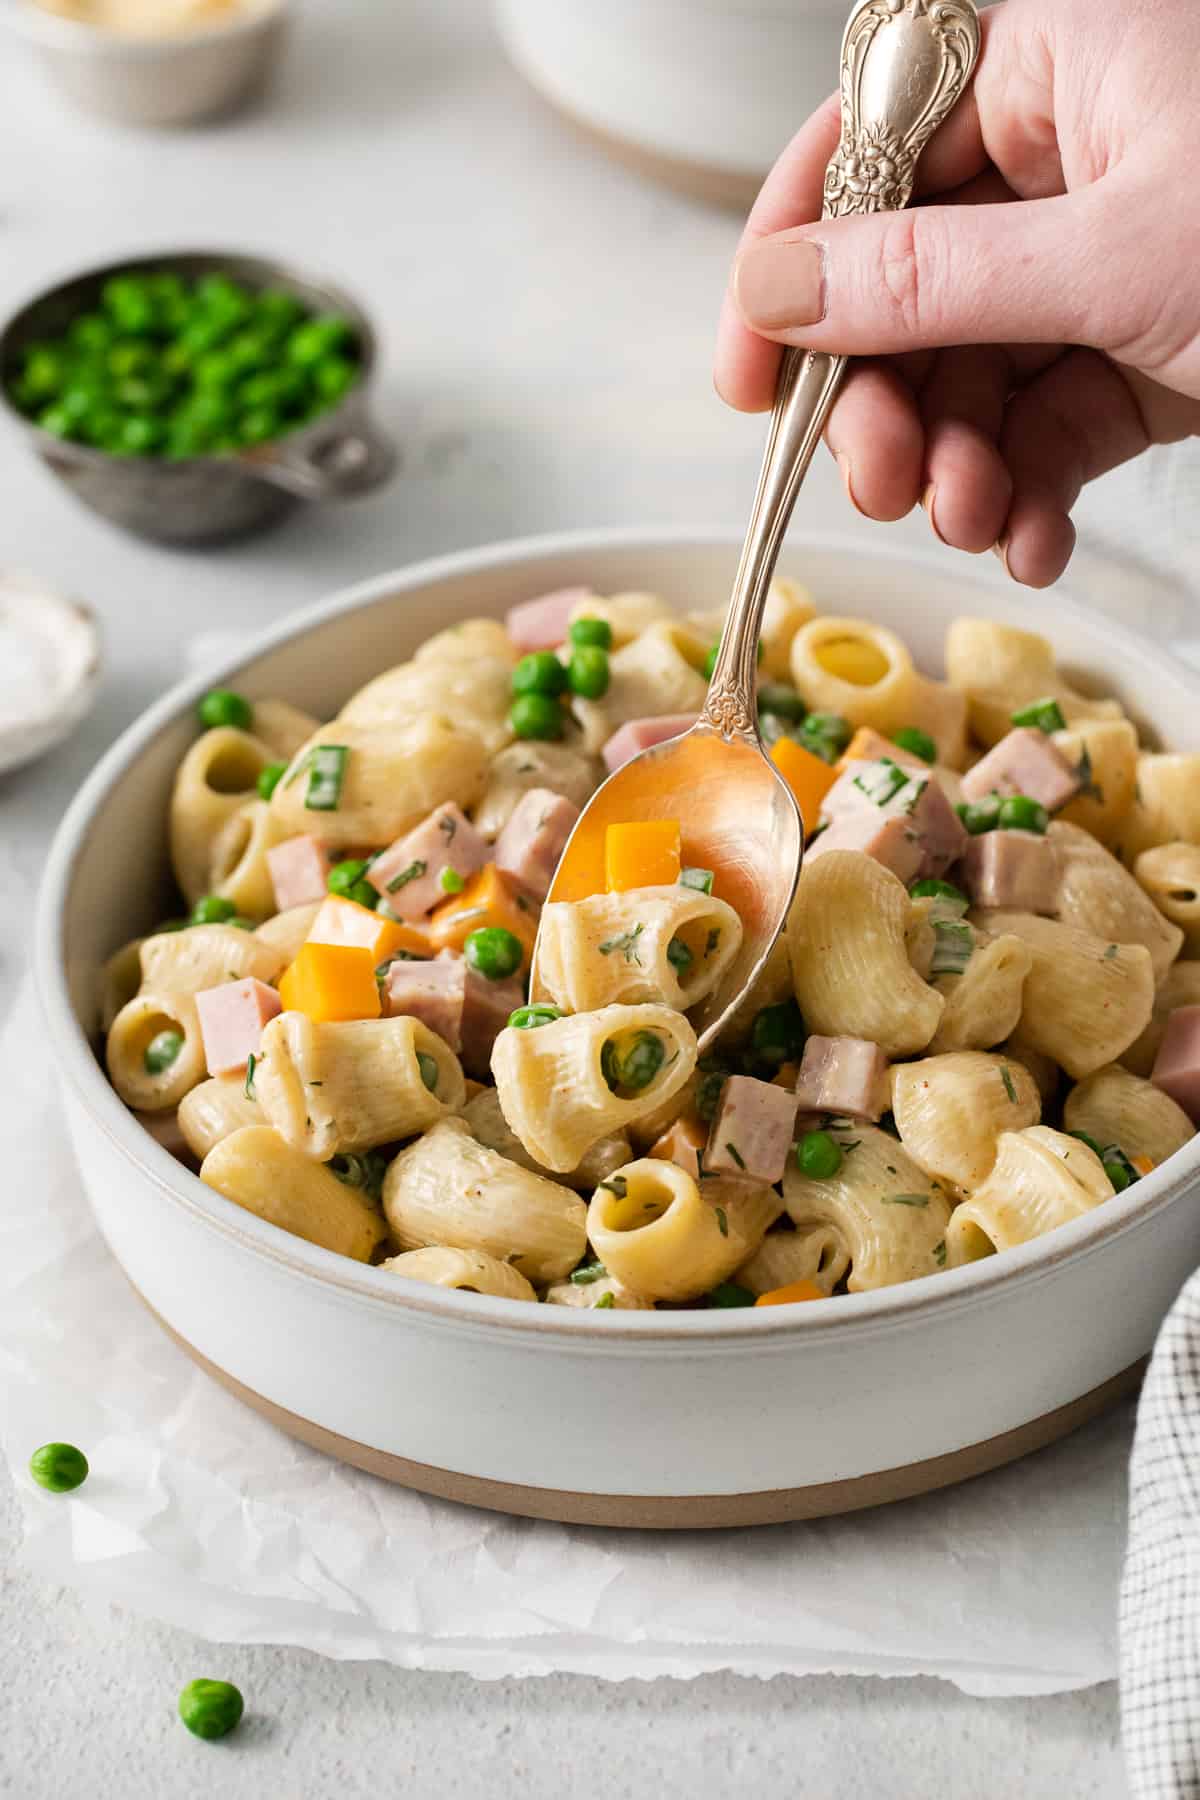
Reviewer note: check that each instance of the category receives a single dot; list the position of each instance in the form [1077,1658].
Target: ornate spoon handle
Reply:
[905,64]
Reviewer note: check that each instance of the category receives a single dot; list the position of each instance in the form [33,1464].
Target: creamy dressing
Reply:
[152,18]
[49,659]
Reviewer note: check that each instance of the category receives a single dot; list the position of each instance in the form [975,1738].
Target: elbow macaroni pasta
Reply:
[354,1127]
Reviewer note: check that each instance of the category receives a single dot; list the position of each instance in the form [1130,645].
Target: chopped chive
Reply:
[626,943]
[736,1154]
[916,742]
[616,1184]
[906,1199]
[327,772]
[413,872]
[1089,787]
[448,826]
[939,1253]
[953,946]
[1112,951]
[712,940]
[604,1302]
[722,1219]
[1007,1079]
[679,956]
[1044,715]
[251,1065]
[881,781]
[700,879]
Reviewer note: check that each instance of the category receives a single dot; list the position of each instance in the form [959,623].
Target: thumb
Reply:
[1033,271]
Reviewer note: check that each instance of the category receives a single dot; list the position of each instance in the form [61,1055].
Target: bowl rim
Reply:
[740,1328]
[57,31]
[275,269]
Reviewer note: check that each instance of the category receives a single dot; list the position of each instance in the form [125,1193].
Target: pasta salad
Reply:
[983,1019]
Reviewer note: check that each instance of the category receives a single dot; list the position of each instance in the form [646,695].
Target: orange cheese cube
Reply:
[342,921]
[1143,1164]
[646,854]
[808,776]
[869,746]
[331,981]
[795,1290]
[683,1144]
[490,898]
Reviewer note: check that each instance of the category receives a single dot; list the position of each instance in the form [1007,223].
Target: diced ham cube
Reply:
[531,843]
[683,1145]
[486,1009]
[434,992]
[751,1131]
[232,1018]
[891,841]
[409,873]
[885,791]
[1177,1065]
[637,735]
[299,870]
[1018,870]
[541,624]
[1024,762]
[843,1075]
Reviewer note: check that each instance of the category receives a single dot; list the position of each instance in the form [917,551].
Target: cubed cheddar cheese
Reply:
[646,854]
[331,981]
[342,921]
[489,898]
[795,1290]
[809,777]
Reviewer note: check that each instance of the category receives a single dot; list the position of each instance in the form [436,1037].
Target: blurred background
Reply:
[535,203]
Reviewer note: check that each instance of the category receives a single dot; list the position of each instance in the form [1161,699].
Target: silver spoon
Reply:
[905,64]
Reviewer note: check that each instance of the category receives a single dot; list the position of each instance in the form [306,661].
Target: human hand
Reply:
[1039,310]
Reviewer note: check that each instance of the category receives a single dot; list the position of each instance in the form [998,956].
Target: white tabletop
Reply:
[547,323]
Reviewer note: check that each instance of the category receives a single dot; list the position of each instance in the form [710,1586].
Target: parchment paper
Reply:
[200,1513]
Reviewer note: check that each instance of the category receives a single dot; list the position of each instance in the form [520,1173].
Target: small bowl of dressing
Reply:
[154,62]
[49,668]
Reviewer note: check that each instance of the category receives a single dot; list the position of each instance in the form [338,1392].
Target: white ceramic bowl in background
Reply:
[680,1418]
[701,93]
[170,80]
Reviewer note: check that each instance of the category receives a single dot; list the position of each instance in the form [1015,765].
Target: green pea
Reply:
[540,673]
[309,343]
[79,400]
[450,881]
[595,634]
[529,1018]
[730,1293]
[140,435]
[45,372]
[588,672]
[217,293]
[221,706]
[249,350]
[429,1070]
[1118,1174]
[161,1051]
[260,425]
[536,716]
[343,875]
[204,333]
[90,332]
[819,1155]
[280,388]
[215,369]
[679,956]
[632,1060]
[713,1077]
[212,410]
[332,377]
[59,1467]
[210,1709]
[777,1035]
[979,815]
[1021,813]
[938,890]
[213,909]
[269,779]
[130,305]
[277,311]
[916,742]
[826,735]
[494,952]
[57,420]
[776,697]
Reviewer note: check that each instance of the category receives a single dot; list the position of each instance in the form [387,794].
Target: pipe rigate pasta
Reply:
[658,1234]
[951,1109]
[471,687]
[850,967]
[447,1189]
[1115,1107]
[671,945]
[1180,986]
[204,956]
[818,1253]
[470,1271]
[256,1169]
[238,870]
[1170,875]
[484,1118]
[215,779]
[553,1083]
[1040,1179]
[856,669]
[359,784]
[1097,894]
[129,1052]
[883,1211]
[214,1110]
[983,1004]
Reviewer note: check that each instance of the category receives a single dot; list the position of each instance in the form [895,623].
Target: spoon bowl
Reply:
[738,817]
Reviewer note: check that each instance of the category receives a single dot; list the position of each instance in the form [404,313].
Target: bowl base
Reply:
[684,1512]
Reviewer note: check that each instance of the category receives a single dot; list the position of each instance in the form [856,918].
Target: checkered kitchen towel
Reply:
[1160,1595]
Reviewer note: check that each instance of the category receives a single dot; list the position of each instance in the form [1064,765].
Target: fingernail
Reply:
[843,463]
[1000,551]
[780,283]
[929,502]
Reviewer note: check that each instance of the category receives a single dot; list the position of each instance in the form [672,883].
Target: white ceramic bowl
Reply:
[681,1418]
[170,80]
[701,93]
